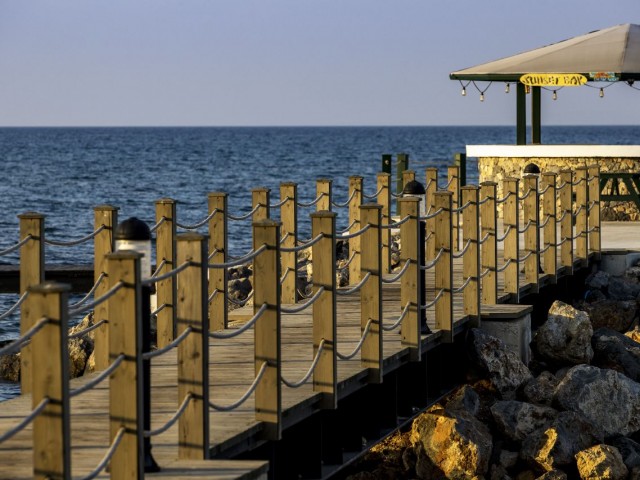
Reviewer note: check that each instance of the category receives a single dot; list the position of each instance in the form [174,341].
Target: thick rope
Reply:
[88,295]
[26,420]
[303,306]
[358,346]
[183,406]
[16,246]
[100,378]
[244,328]
[397,323]
[239,261]
[252,388]
[348,291]
[313,366]
[399,275]
[90,306]
[169,346]
[199,224]
[71,243]
[87,330]
[15,306]
[18,343]
[108,455]
[244,217]
[345,204]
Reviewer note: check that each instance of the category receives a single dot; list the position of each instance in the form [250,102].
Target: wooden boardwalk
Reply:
[231,373]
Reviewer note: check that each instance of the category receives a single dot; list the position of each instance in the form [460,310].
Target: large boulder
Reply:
[517,420]
[616,351]
[554,446]
[540,389]
[451,444]
[629,449]
[503,367]
[10,367]
[606,398]
[601,462]
[565,338]
[623,288]
[615,314]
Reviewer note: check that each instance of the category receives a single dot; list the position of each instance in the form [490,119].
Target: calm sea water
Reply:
[64,172]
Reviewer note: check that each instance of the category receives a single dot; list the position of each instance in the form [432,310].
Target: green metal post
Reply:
[403,164]
[460,160]
[386,163]
[521,115]
[536,115]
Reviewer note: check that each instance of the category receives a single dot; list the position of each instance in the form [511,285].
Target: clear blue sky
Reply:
[286,62]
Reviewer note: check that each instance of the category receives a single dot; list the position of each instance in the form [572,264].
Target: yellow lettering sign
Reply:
[553,79]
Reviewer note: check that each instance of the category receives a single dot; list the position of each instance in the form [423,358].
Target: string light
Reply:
[555,95]
[527,89]
[601,92]
[482,96]
[506,88]
[464,91]
[464,87]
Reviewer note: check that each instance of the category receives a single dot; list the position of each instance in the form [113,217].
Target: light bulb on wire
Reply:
[464,91]
[601,92]
[506,88]
[555,95]
[482,96]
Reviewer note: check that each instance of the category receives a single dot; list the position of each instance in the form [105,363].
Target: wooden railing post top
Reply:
[268,222]
[443,193]
[30,216]
[581,167]
[549,174]
[489,183]
[383,175]
[530,176]
[124,255]
[288,184]
[432,169]
[566,170]
[470,187]
[324,180]
[260,189]
[370,206]
[191,237]
[510,179]
[356,179]
[166,201]
[217,194]
[105,208]
[50,287]
[323,214]
[409,199]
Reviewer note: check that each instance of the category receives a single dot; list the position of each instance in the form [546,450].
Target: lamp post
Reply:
[135,235]
[416,189]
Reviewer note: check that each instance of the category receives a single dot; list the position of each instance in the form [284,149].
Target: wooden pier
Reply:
[303,383]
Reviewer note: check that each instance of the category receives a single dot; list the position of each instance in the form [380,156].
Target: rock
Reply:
[629,449]
[598,280]
[634,334]
[508,459]
[526,475]
[553,475]
[517,420]
[465,398]
[554,446]
[607,399]
[616,351]
[615,314]
[455,444]
[504,368]
[621,288]
[498,472]
[601,462]
[79,351]
[240,288]
[565,338]
[10,367]
[540,389]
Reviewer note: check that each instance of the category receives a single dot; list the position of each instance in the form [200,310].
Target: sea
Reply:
[63,173]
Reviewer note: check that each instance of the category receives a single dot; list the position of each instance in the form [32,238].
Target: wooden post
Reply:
[431,186]
[193,352]
[218,254]
[355,189]
[103,245]
[324,190]
[566,224]
[371,293]
[582,205]
[266,274]
[489,248]
[51,430]
[531,211]
[402,165]
[31,273]
[325,376]
[511,246]
[410,283]
[289,260]
[126,382]
[549,206]
[384,199]
[453,179]
[407,176]
[166,252]
[260,198]
[471,258]
[444,266]
[595,239]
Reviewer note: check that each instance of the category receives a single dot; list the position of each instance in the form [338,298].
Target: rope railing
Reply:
[157,225]
[16,246]
[348,262]
[523,258]
[26,420]
[345,204]
[434,301]
[544,190]
[15,306]
[355,288]
[345,230]
[354,234]
[159,309]
[503,199]
[486,272]
[505,266]
[159,268]
[107,456]
[243,328]
[578,210]
[461,208]
[240,261]
[526,227]
[280,203]
[172,273]
[448,184]
[396,224]
[242,303]
[562,185]
[373,196]
[171,422]
[485,238]
[432,263]
[312,202]
[398,322]
[429,216]
[212,254]
[90,306]
[247,394]
[463,286]
[284,237]
[88,295]
[546,221]
[100,378]
[307,375]
[197,225]
[71,243]
[526,195]
[286,273]
[396,195]
[591,205]
[399,275]
[461,253]
[486,199]
[578,182]
[17,344]
[245,216]
[305,305]
[213,295]
[355,351]
[169,346]
[506,234]
[303,246]
[564,214]
[87,330]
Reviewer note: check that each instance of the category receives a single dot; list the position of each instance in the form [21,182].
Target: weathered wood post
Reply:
[51,429]
[550,209]
[384,199]
[324,190]
[471,258]
[31,273]
[103,245]
[531,211]
[401,166]
[489,248]
[289,260]
[126,382]
[166,292]
[566,224]
[411,283]
[444,265]
[325,376]
[582,205]
[431,186]
[453,179]
[595,234]
[511,247]
[355,194]
[260,200]
[371,293]
[218,254]
[193,352]
[266,274]
[407,176]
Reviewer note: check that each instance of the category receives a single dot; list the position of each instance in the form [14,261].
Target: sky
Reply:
[286,62]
